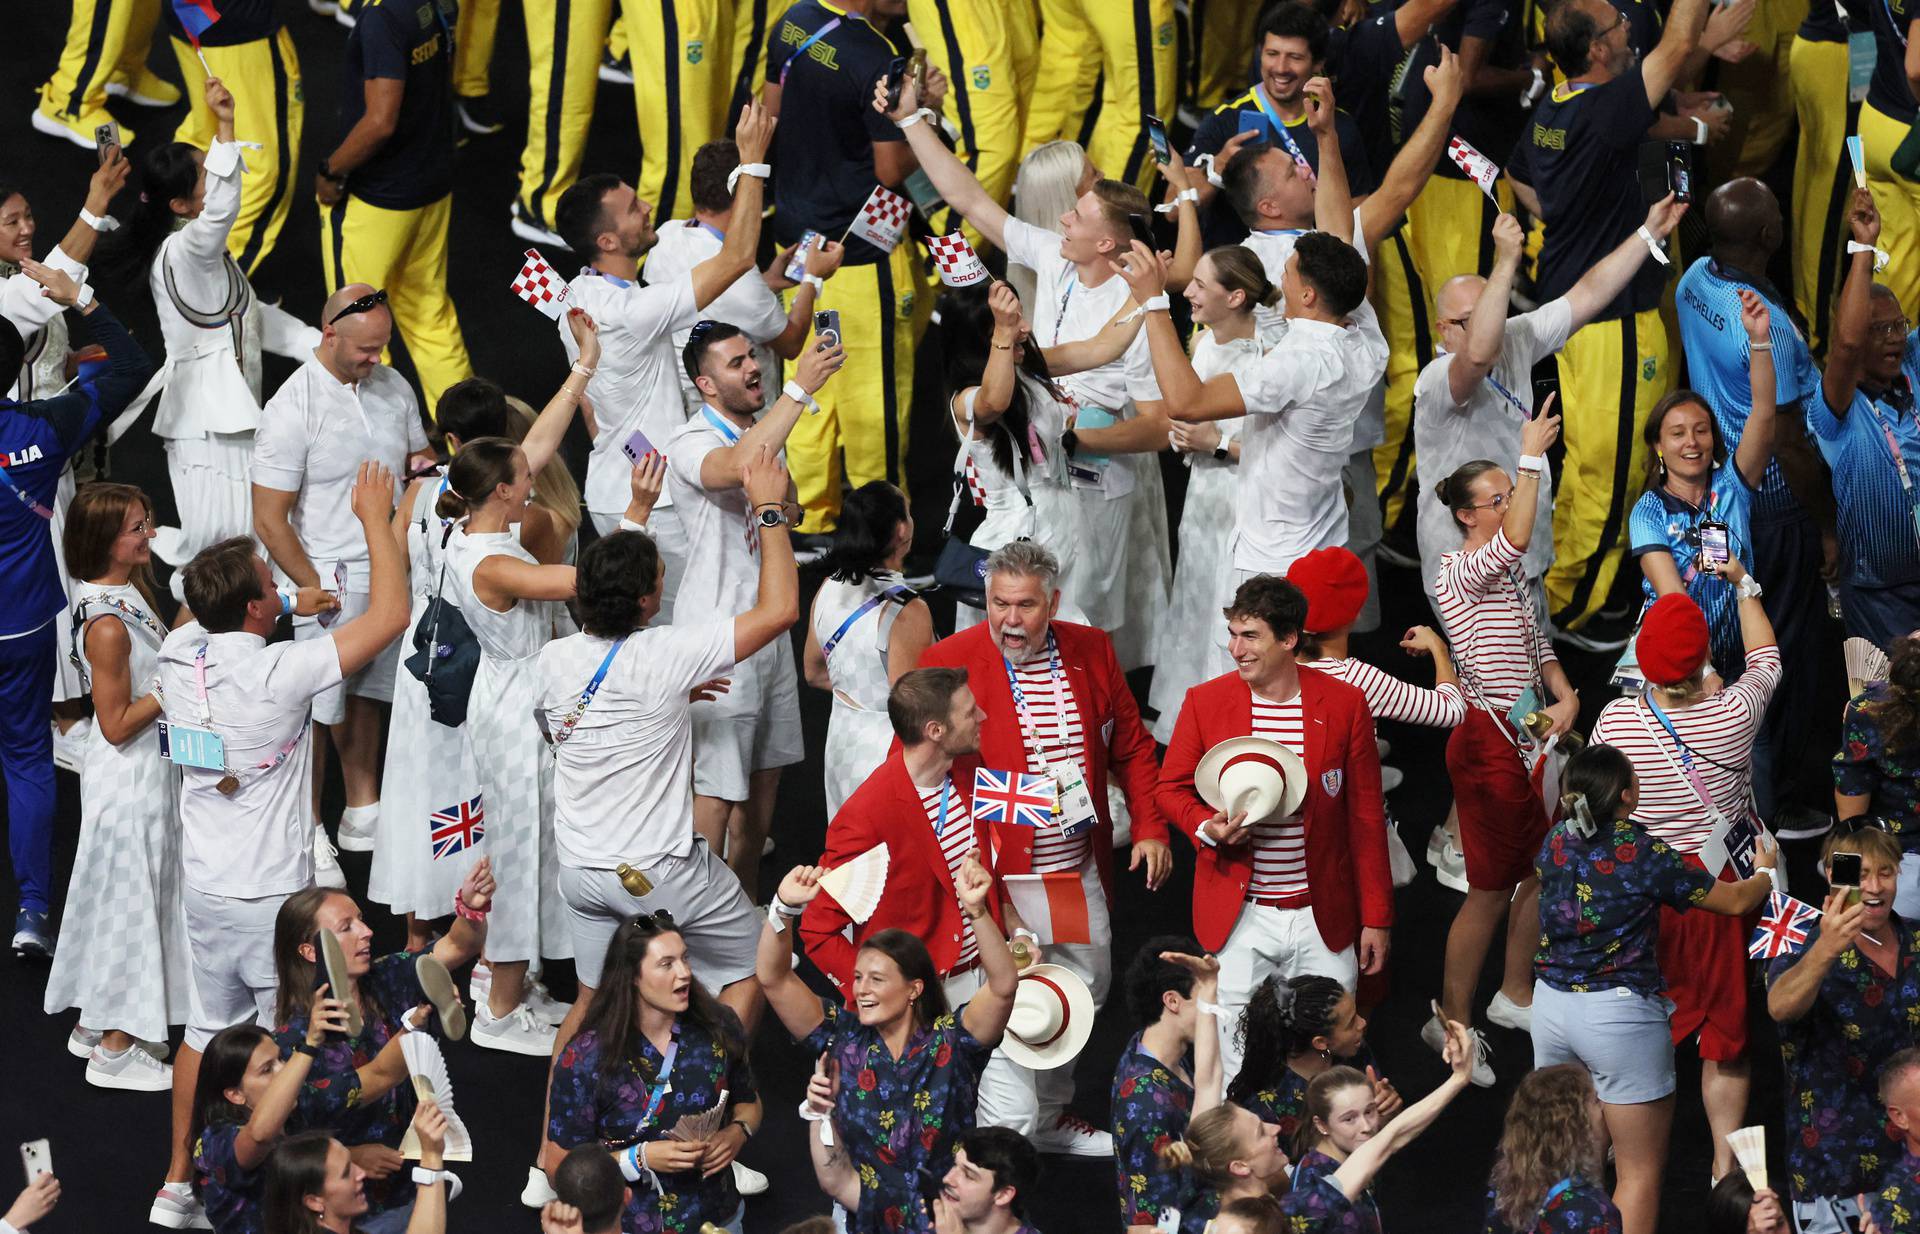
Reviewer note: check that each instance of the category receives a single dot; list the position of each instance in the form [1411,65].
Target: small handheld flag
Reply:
[1478,167]
[1858,154]
[1053,906]
[957,263]
[539,285]
[1012,797]
[194,17]
[882,220]
[1783,928]
[457,828]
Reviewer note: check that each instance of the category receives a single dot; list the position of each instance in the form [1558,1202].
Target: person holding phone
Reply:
[36,1201]
[1845,1005]
[314,1186]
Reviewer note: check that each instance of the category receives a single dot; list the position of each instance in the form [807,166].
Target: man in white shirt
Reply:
[752,301]
[245,808]
[747,734]
[340,409]
[635,389]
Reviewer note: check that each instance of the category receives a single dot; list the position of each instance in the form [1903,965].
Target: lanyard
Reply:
[720,425]
[813,38]
[946,794]
[615,279]
[896,592]
[1029,726]
[663,1081]
[26,499]
[586,695]
[1893,446]
[1280,129]
[206,712]
[711,230]
[1687,769]
[1713,505]
[1525,411]
[1553,1193]
[1061,317]
[134,616]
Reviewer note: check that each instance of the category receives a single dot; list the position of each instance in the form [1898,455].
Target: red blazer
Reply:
[1344,815]
[919,897]
[1115,738]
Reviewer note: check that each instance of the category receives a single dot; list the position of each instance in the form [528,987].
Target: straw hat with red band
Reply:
[1672,643]
[1051,1020]
[1335,584]
[1255,776]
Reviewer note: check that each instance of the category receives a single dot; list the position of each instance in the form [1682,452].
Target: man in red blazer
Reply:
[1282,897]
[1057,704]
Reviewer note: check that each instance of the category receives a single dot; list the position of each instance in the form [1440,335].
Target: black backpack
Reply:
[446,653]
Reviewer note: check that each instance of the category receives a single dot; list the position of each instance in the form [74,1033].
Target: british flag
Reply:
[1012,797]
[457,828]
[1783,930]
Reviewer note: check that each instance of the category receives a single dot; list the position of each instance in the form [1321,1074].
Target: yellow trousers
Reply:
[404,251]
[1223,51]
[269,107]
[1611,375]
[986,49]
[1405,306]
[1898,200]
[683,79]
[752,20]
[564,41]
[1762,111]
[1127,47]
[106,39]
[473,48]
[864,409]
[1822,182]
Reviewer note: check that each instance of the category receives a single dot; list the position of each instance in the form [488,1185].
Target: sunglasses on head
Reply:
[365,303]
[1866,822]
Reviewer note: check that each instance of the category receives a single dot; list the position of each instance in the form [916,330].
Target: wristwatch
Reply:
[773,516]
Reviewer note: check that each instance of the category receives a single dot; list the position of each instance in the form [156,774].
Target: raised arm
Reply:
[722,467]
[954,180]
[822,259]
[1332,196]
[1487,324]
[1182,393]
[1356,1173]
[108,179]
[994,394]
[1610,276]
[986,1013]
[1661,68]
[753,135]
[1188,245]
[1791,995]
[1847,353]
[1756,440]
[791,1000]
[777,605]
[1536,438]
[325,1014]
[466,938]
[360,639]
[430,1199]
[205,236]
[1419,155]
[542,441]
[1209,1073]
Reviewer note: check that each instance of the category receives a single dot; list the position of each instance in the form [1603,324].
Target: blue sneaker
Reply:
[32,935]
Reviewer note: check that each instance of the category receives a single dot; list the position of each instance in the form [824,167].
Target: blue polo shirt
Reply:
[1878,544]
[1661,522]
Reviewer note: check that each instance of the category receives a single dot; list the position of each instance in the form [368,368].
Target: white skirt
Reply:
[1185,653]
[211,492]
[516,782]
[857,743]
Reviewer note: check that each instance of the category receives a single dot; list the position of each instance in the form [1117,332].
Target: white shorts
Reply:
[720,924]
[754,726]
[374,681]
[230,942]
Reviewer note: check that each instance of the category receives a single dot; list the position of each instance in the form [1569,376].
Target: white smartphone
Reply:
[37,1156]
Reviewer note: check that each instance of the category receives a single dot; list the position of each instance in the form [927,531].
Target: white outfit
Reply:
[859,733]
[314,433]
[423,847]
[1119,569]
[747,302]
[516,770]
[1203,583]
[1012,510]
[122,958]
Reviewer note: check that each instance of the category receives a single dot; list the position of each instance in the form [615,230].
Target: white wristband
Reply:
[1205,163]
[1216,1010]
[86,296]
[1772,876]
[1169,207]
[1533,462]
[761,170]
[99,222]
[1653,246]
[1534,90]
[426,1177]
[1880,256]
[814,281]
[1699,131]
[798,393]
[1159,304]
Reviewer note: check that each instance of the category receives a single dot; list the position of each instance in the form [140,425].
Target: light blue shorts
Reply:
[1624,1038]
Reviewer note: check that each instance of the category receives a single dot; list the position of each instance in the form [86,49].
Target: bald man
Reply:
[1745,228]
[341,408]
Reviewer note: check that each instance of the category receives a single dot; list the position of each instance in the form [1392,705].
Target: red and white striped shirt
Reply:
[1488,610]
[1720,733]
[956,841]
[1280,844]
[1389,698]
[1056,736]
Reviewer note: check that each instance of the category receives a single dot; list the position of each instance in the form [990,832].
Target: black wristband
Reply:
[303,1046]
[327,173]
[742,1124]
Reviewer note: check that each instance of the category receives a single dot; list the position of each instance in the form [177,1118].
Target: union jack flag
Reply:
[998,794]
[457,828]
[1783,930]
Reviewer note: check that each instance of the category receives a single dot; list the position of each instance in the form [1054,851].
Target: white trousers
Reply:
[1281,943]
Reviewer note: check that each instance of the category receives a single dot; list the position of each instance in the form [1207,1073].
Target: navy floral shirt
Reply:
[1838,1142]
[1315,1169]
[330,1099]
[1867,766]
[1317,1206]
[1284,1102]
[1600,904]
[230,1193]
[1581,1208]
[1151,1106]
[588,1105]
[898,1118]
[1896,1206]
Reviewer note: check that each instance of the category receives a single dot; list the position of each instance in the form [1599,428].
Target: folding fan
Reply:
[857,884]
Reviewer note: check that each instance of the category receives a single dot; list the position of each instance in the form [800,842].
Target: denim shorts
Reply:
[1623,1037]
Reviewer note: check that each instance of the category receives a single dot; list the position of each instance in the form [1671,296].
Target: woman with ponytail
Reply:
[1344,1115]
[1598,997]
[1291,1033]
[1877,771]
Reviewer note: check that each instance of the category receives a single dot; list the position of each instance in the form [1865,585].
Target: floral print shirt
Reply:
[898,1118]
[1600,904]
[1838,1142]
[229,1192]
[1896,1206]
[1579,1207]
[1284,1102]
[610,1104]
[1315,1169]
[1151,1105]
[1867,766]
[1318,1206]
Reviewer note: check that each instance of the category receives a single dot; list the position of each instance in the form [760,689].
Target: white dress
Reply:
[516,771]
[122,955]
[1187,652]
[859,733]
[407,876]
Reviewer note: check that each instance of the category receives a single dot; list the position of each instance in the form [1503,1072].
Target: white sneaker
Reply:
[518,1032]
[539,1192]
[1434,1033]
[1075,1136]
[80,1041]
[545,1007]
[480,983]
[326,862]
[175,1207]
[133,1069]
[1390,778]
[1509,1014]
[530,231]
[357,827]
[70,747]
[1451,870]
[747,1180]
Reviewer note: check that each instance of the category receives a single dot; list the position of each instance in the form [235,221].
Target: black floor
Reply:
[110,1148]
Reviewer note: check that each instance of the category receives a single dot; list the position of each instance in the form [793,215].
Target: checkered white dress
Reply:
[122,954]
[516,771]
[858,733]
[406,876]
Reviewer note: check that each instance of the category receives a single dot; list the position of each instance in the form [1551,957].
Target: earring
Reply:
[1661,456]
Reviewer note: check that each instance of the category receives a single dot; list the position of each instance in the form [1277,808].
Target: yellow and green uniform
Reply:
[473,48]
[1762,111]
[564,41]
[986,48]
[1222,37]
[1822,172]
[107,40]
[1886,121]
[683,82]
[1121,52]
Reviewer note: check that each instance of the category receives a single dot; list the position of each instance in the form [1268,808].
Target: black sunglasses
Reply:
[363,304]
[1865,822]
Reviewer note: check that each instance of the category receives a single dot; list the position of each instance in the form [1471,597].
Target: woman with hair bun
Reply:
[1877,769]
[1291,1033]
[1549,1175]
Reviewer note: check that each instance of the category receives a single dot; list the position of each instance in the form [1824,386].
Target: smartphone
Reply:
[1844,870]
[826,326]
[1141,229]
[1157,134]
[636,447]
[1253,122]
[106,137]
[37,1156]
[896,78]
[1666,167]
[1715,545]
[797,268]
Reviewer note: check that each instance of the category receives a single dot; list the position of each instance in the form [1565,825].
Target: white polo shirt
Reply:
[723,548]
[1065,309]
[624,778]
[258,841]
[314,433]
[635,386]
[747,303]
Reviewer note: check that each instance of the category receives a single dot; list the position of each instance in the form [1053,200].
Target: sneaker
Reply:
[539,1192]
[1391,778]
[1451,870]
[480,983]
[79,131]
[1434,1033]
[1438,842]
[175,1207]
[545,1007]
[1797,822]
[70,747]
[325,8]
[618,72]
[1509,1014]
[517,1032]
[527,229]
[357,827]
[132,1069]
[1074,1136]
[145,88]
[437,984]
[80,1041]
[478,114]
[326,862]
[32,935]
[747,1180]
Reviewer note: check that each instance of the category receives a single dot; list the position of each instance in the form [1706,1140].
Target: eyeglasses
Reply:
[1619,20]
[1498,502]
[138,529]
[365,303]
[1890,329]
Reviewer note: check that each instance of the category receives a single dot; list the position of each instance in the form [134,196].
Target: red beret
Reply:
[1673,639]
[1335,584]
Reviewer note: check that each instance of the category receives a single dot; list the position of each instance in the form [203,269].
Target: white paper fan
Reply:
[1866,664]
[1749,1146]
[857,884]
[428,1067]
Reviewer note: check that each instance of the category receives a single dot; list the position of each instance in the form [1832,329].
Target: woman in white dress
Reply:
[1227,286]
[122,958]
[867,628]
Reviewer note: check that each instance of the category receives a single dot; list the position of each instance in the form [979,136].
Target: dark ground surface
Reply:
[110,1147]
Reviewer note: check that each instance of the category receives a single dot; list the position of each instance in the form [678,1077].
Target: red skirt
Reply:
[1502,823]
[1703,958]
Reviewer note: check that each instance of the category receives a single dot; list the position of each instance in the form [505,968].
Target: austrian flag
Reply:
[539,285]
[1479,168]
[954,258]
[1012,797]
[1053,906]
[883,220]
[1783,929]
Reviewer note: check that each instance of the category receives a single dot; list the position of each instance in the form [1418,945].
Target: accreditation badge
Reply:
[1073,803]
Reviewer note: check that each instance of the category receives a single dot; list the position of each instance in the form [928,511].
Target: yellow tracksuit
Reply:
[404,251]
[1223,52]
[1822,181]
[1127,46]
[1762,111]
[564,41]
[683,77]
[107,40]
[1896,197]
[752,19]
[473,48]
[269,107]
[980,46]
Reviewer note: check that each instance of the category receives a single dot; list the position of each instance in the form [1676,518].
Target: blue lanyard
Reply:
[1029,726]
[1280,129]
[720,425]
[663,1082]
[1511,397]
[1554,1192]
[813,38]
[26,499]
[711,230]
[902,594]
[946,793]
[615,279]
[586,695]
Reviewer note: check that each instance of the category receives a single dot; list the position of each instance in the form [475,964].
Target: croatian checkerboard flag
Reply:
[883,220]
[1053,906]
[539,285]
[1783,929]
[195,16]
[457,827]
[1479,168]
[1012,797]
[954,258]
